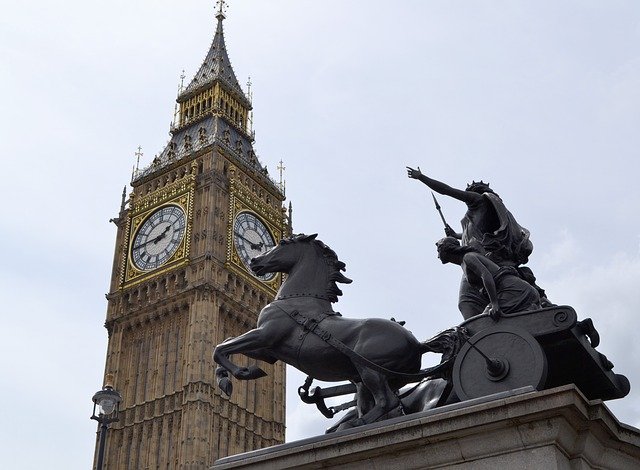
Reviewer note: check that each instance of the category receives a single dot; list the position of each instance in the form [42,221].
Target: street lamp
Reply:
[107,403]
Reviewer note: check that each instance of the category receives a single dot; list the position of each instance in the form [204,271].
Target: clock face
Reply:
[158,238]
[252,238]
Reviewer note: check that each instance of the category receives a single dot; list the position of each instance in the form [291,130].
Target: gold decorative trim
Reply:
[243,199]
[179,193]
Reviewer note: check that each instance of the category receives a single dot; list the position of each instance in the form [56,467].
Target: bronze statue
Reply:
[506,290]
[514,344]
[492,230]
[301,328]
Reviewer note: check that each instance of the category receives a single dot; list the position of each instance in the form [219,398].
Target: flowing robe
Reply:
[508,245]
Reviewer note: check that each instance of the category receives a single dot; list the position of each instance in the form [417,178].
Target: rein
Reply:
[315,296]
[313,326]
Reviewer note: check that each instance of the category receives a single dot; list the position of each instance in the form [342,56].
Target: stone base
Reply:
[521,429]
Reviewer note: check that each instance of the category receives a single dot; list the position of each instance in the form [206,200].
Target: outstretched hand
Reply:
[415,174]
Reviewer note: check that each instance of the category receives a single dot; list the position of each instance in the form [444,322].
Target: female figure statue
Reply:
[506,291]
[492,230]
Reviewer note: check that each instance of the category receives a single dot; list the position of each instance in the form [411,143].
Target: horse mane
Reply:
[331,258]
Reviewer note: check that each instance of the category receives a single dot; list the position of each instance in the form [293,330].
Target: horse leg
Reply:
[249,341]
[385,403]
[364,399]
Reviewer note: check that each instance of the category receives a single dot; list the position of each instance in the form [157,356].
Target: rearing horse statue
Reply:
[301,328]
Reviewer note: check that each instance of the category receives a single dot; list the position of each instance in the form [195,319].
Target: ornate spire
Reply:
[216,65]
[222,5]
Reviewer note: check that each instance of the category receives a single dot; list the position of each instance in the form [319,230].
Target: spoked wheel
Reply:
[498,359]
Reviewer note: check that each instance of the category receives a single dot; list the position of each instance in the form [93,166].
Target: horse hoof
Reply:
[255,372]
[221,372]
[226,386]
[249,373]
[393,413]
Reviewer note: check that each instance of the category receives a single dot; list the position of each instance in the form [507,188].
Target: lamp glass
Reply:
[107,405]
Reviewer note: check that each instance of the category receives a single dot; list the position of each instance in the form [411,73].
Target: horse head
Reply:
[312,267]
[282,257]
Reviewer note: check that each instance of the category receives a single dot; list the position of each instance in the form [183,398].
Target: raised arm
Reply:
[467,197]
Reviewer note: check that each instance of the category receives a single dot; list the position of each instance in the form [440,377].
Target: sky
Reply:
[541,99]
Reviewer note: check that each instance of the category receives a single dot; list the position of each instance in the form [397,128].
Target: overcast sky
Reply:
[540,98]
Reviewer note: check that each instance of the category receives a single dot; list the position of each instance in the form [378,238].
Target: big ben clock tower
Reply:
[181,284]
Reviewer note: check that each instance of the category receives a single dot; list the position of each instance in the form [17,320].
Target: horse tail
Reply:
[447,342]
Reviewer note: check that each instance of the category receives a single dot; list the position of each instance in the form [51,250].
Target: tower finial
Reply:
[182,77]
[282,183]
[138,154]
[222,5]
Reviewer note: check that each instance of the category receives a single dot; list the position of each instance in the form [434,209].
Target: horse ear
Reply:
[308,238]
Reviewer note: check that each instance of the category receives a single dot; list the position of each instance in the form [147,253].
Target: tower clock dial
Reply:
[252,238]
[158,237]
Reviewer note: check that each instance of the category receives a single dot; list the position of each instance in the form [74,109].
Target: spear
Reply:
[435,201]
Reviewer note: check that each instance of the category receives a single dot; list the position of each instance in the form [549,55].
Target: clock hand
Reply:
[162,235]
[254,246]
[154,240]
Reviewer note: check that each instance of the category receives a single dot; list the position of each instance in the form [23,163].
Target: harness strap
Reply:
[313,326]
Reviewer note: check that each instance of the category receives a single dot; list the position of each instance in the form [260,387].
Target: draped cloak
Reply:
[508,245]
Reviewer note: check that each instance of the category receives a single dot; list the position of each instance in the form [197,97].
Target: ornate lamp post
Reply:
[107,403]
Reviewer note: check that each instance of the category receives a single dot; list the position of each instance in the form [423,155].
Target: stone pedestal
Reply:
[520,429]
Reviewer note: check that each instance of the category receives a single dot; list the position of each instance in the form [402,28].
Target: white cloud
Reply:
[563,252]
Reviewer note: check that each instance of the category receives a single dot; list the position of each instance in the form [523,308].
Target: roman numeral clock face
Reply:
[252,238]
[158,238]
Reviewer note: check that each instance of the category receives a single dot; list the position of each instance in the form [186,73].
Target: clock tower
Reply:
[180,284]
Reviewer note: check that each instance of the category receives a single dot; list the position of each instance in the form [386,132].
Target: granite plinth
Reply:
[522,429]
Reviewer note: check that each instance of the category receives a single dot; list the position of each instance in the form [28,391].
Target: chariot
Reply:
[543,349]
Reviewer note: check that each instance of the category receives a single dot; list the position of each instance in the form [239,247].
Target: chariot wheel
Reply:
[498,359]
